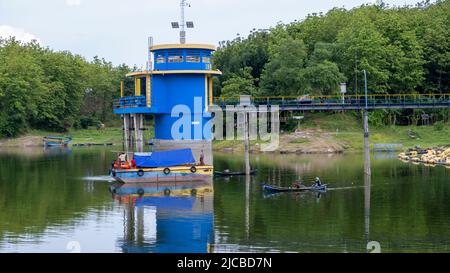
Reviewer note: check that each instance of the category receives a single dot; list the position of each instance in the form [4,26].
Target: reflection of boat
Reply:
[57,150]
[225,173]
[161,188]
[272,188]
[163,166]
[51,141]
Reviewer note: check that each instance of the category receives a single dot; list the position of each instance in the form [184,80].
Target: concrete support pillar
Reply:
[131,135]
[366,124]
[126,131]
[136,129]
[139,132]
[133,131]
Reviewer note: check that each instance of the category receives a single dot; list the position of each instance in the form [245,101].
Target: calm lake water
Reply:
[61,200]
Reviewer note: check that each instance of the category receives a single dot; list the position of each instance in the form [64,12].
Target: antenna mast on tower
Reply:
[183,24]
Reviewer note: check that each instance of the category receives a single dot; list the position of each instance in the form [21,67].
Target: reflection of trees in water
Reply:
[40,191]
[281,161]
[398,204]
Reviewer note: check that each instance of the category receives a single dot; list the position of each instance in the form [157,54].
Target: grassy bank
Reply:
[348,129]
[324,133]
[94,136]
[318,133]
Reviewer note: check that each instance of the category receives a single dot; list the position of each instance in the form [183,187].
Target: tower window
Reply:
[176,56]
[206,57]
[193,59]
[192,56]
[175,59]
[160,59]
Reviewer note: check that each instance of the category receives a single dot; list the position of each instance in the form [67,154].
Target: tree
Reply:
[283,74]
[239,84]
[44,89]
[322,74]
[22,83]
[362,47]
[252,52]
[324,78]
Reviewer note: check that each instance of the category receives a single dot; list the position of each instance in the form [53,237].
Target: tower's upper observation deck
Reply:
[183,57]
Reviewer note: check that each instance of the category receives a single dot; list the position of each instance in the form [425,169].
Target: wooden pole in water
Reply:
[367,178]
[247,206]
[367,169]
[246,143]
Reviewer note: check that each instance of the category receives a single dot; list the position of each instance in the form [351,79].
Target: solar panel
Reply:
[175,25]
[190,24]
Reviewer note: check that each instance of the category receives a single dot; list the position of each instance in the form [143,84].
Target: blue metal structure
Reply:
[179,85]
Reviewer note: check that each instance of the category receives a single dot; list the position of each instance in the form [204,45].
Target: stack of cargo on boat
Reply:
[162,166]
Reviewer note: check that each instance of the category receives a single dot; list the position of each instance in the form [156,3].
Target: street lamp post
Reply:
[365,89]
[366,113]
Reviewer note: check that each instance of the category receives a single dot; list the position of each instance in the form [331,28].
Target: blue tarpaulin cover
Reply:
[164,159]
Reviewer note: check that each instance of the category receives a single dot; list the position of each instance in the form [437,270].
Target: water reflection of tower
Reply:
[134,226]
[157,223]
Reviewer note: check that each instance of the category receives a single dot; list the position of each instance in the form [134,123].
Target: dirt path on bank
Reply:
[305,141]
[310,141]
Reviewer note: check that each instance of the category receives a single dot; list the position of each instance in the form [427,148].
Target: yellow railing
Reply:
[359,96]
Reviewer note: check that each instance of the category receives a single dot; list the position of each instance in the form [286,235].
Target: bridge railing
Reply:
[354,100]
[130,102]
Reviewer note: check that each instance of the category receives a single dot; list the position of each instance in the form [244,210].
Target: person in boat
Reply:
[202,159]
[297,185]
[122,157]
[317,182]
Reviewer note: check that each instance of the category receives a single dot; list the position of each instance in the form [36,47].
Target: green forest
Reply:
[54,91]
[403,49]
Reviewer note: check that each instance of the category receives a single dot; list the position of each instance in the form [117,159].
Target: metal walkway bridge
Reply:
[352,102]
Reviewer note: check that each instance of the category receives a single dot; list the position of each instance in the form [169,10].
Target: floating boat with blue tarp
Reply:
[161,166]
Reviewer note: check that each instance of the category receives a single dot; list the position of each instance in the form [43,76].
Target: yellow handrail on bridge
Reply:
[282,98]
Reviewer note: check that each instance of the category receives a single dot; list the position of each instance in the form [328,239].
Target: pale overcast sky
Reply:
[117,29]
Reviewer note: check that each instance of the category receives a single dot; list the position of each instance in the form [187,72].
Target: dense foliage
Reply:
[403,49]
[43,89]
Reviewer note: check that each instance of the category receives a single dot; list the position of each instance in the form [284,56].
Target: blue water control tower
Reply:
[177,91]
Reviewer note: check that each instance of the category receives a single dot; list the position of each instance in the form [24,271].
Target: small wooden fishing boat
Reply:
[272,188]
[225,173]
[53,141]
